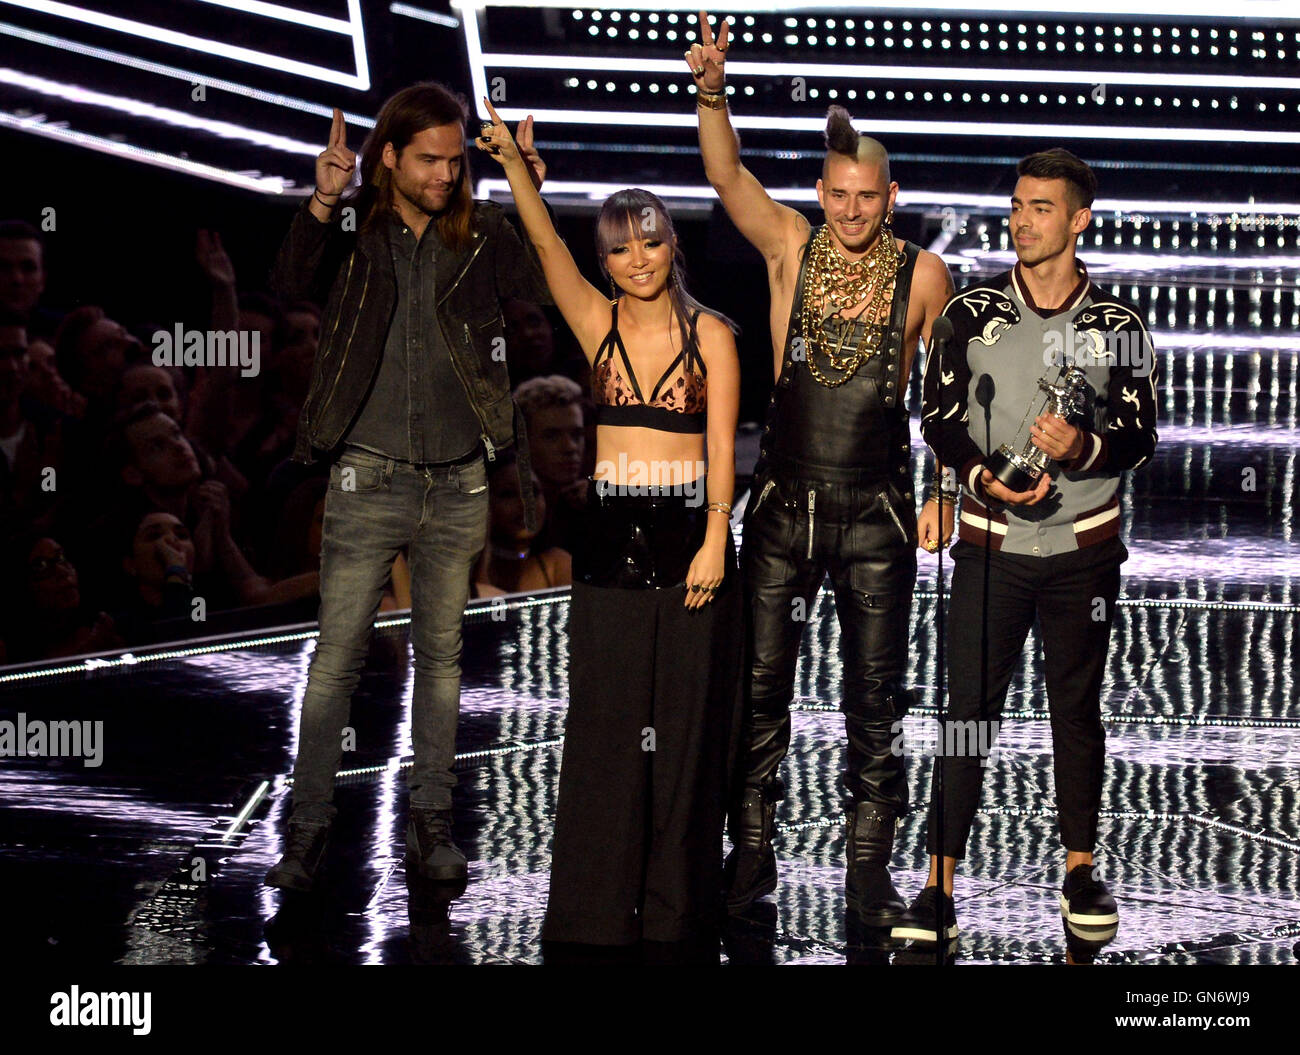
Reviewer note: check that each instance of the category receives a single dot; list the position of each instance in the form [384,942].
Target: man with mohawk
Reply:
[831,492]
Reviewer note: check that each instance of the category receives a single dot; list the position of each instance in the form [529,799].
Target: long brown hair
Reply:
[403,116]
[635,209]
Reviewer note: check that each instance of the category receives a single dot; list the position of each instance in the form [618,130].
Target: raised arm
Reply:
[772,228]
[584,307]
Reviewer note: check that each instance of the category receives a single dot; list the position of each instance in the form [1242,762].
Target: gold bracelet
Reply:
[718,507]
[711,100]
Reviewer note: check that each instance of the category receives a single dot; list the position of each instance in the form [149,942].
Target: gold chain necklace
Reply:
[831,284]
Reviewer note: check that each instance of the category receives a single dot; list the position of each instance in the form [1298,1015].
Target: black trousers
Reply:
[1073,596]
[654,712]
[863,534]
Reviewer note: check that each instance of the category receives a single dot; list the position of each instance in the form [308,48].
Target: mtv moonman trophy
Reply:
[1020,470]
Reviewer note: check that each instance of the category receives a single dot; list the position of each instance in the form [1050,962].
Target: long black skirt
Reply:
[651,731]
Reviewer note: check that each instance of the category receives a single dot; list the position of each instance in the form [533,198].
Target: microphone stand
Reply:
[940,335]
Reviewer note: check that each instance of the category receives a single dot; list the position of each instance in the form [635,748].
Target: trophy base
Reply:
[1012,471]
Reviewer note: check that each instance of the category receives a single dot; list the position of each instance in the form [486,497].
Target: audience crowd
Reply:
[142,500]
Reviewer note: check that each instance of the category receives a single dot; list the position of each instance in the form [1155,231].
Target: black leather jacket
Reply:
[352,275]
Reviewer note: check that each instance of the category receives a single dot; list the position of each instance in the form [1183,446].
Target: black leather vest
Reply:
[860,426]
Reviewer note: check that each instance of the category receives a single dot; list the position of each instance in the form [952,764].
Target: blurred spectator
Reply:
[530,341]
[511,562]
[22,277]
[144,382]
[45,617]
[225,406]
[30,439]
[553,413]
[46,386]
[92,351]
[532,349]
[157,555]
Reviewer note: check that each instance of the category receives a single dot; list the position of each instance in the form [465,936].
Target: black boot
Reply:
[304,850]
[867,887]
[429,849]
[750,869]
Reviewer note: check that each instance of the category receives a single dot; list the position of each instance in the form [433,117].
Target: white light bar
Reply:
[930,128]
[1174,10]
[176,72]
[148,111]
[37,126]
[1171,261]
[599,191]
[351,28]
[850,71]
[436,17]
[1162,207]
[1173,341]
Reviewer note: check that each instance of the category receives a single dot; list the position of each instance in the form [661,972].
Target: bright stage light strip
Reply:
[436,17]
[241,818]
[631,119]
[148,111]
[1242,9]
[598,191]
[847,71]
[190,76]
[352,28]
[1222,342]
[36,126]
[1171,261]
[560,595]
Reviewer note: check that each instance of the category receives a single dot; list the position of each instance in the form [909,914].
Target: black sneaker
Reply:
[917,923]
[304,850]
[1085,899]
[429,848]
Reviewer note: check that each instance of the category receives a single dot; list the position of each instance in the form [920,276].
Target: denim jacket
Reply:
[352,275]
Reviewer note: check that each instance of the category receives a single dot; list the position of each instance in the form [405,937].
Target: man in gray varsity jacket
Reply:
[1051,552]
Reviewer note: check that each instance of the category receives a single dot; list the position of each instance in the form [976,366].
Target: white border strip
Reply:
[1175,10]
[648,119]
[599,191]
[36,126]
[847,71]
[352,28]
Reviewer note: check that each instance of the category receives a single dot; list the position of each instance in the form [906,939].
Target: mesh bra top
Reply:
[672,407]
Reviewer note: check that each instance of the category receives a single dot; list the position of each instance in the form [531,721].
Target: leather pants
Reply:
[863,534]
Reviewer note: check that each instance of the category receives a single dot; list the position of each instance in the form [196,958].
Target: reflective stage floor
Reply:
[157,854]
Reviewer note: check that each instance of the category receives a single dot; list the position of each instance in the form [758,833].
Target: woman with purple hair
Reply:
[655,621]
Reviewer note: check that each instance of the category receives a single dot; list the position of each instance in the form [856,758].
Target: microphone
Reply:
[984,390]
[940,331]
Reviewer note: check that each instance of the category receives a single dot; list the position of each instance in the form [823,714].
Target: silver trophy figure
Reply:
[1019,470]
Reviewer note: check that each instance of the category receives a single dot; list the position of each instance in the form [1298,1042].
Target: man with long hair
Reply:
[849,302]
[409,398]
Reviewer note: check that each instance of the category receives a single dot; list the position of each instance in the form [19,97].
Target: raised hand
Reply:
[336,164]
[496,139]
[213,259]
[524,140]
[706,58]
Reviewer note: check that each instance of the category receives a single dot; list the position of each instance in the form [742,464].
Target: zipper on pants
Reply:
[767,487]
[884,499]
[812,505]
